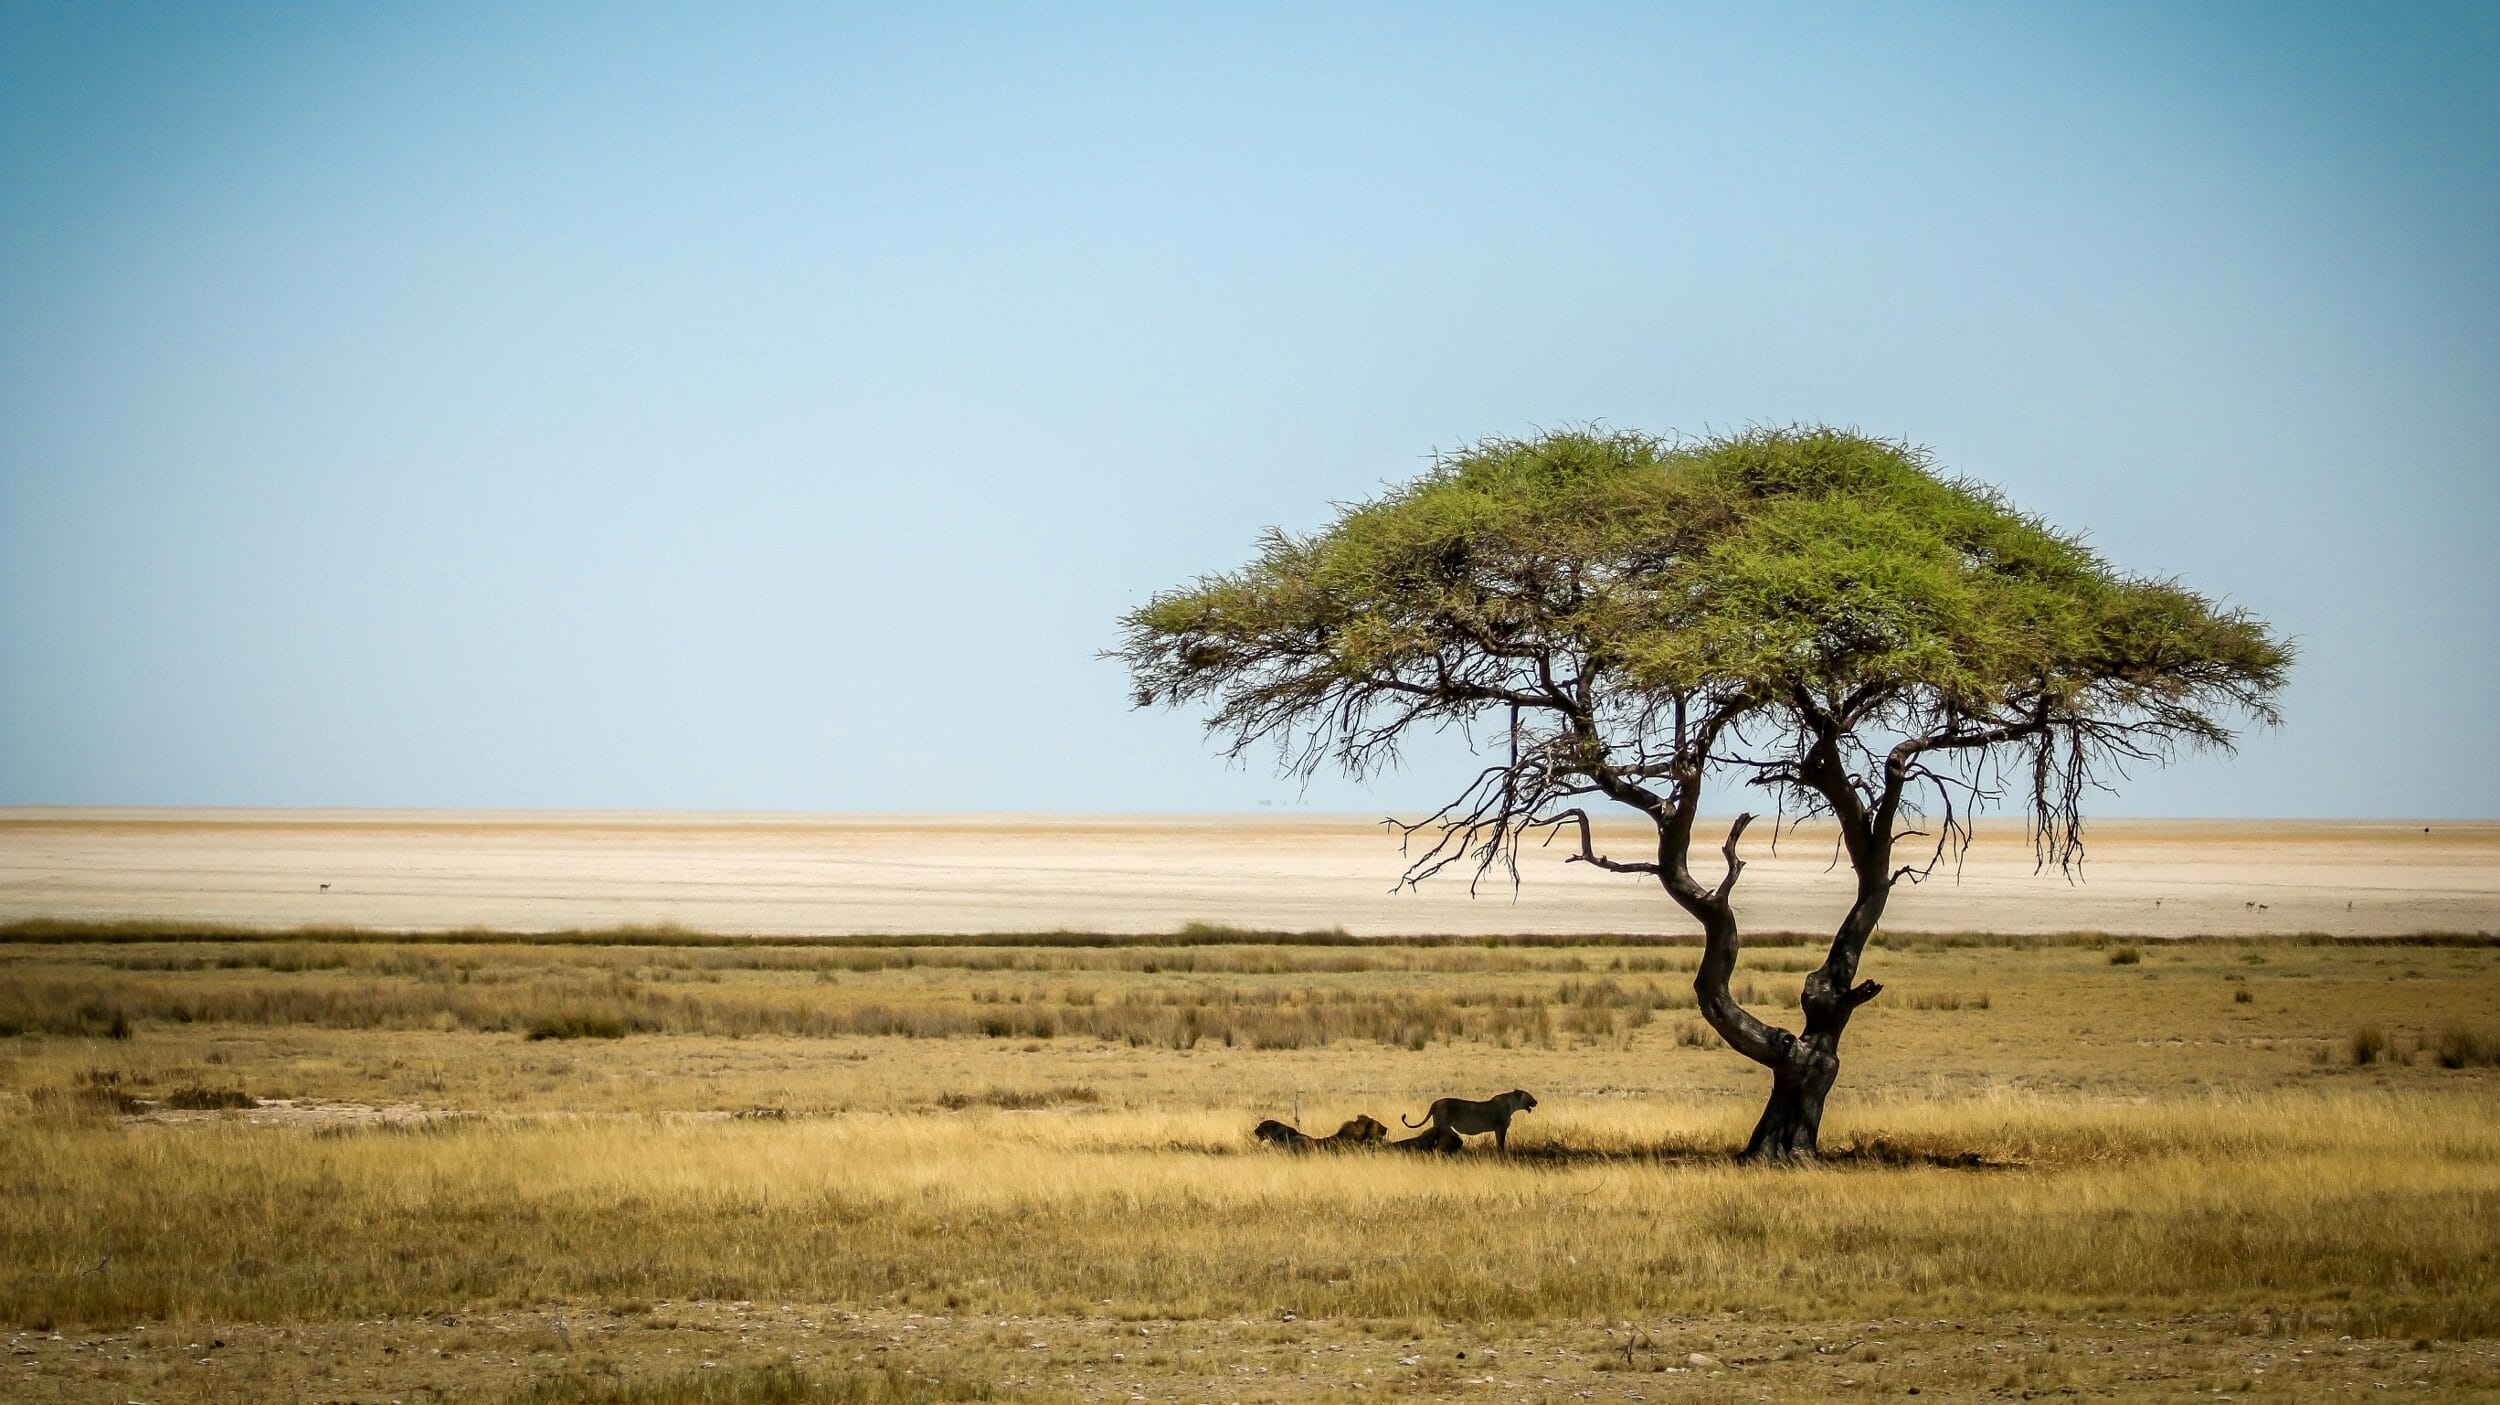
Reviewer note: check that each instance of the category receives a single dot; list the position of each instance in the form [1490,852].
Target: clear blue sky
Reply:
[775,406]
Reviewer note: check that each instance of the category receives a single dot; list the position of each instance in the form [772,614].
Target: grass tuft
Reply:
[578,1024]
[1011,1100]
[198,1099]
[2460,1046]
[2368,1045]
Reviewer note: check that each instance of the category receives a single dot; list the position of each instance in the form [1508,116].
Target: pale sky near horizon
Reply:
[774,407]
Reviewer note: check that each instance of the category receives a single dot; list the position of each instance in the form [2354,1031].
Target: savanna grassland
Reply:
[653,1166]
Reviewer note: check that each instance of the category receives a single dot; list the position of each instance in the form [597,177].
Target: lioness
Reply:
[1362,1131]
[1440,1139]
[1359,1131]
[1276,1133]
[1466,1118]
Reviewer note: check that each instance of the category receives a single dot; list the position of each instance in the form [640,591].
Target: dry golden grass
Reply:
[2033,1142]
[2268,1202]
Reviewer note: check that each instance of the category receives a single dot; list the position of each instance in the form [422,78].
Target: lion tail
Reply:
[1427,1120]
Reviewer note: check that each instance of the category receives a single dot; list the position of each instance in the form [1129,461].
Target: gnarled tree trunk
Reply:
[1792,1120]
[1803,1066]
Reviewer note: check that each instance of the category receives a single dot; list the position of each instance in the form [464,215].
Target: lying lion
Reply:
[1361,1131]
[1460,1117]
[1440,1139]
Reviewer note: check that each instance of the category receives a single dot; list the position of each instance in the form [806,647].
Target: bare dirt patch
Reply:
[295,1112]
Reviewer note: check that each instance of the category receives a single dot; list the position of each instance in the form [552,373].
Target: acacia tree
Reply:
[1615,617]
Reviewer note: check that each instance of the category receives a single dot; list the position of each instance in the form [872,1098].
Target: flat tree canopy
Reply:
[1618,617]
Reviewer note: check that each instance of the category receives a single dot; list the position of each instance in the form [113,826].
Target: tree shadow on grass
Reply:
[1875,1152]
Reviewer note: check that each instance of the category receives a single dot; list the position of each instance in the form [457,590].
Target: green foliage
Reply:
[1772,560]
[1772,579]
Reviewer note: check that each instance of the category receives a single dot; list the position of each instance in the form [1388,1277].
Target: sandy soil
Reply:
[504,1353]
[297,1112]
[799,875]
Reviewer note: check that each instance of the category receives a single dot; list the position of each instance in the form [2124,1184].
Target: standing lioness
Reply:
[1467,1118]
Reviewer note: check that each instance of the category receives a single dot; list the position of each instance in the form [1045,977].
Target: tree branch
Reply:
[1735,865]
[1587,854]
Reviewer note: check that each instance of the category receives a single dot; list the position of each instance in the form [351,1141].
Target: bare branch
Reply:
[1735,865]
[1587,854]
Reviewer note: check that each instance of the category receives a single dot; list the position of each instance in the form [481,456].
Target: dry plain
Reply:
[892,875]
[667,1165]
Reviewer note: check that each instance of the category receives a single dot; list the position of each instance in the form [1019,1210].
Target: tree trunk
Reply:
[1803,1067]
[1792,1120]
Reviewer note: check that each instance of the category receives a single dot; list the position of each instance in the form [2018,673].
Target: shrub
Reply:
[2460,1047]
[577,1025]
[1017,1100]
[2368,1043]
[209,1099]
[98,1091]
[2125,956]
